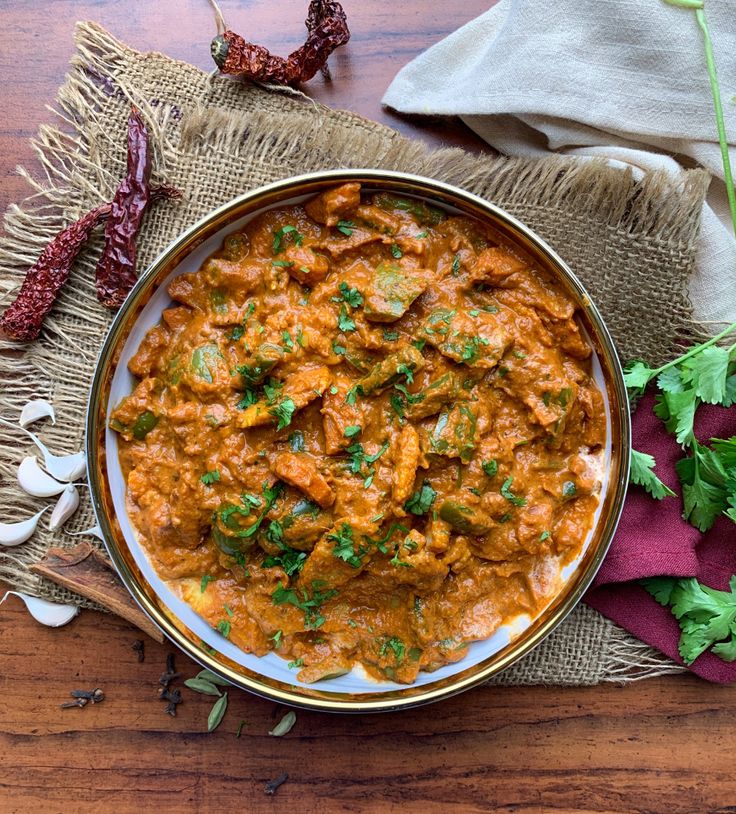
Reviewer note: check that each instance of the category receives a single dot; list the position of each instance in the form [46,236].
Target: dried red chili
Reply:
[328,29]
[23,318]
[116,270]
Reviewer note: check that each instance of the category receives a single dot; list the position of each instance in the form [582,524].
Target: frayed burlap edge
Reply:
[81,166]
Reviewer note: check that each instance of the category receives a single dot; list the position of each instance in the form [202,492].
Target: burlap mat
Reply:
[631,242]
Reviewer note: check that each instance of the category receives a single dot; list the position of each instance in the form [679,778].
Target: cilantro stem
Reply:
[694,350]
[720,123]
[698,6]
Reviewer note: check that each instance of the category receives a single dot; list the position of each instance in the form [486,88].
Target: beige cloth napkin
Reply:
[625,79]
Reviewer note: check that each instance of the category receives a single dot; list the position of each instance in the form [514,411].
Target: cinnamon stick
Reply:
[87,571]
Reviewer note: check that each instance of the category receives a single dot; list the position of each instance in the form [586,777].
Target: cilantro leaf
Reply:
[344,548]
[660,588]
[642,474]
[284,412]
[396,646]
[670,381]
[351,296]
[703,496]
[637,376]
[280,234]
[707,372]
[344,321]
[509,495]
[707,617]
[291,560]
[346,227]
[677,410]
[725,449]
[490,467]
[421,501]
[210,477]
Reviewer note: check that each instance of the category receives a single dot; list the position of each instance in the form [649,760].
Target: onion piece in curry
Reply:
[365,432]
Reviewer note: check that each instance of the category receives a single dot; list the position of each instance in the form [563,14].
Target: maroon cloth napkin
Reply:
[653,540]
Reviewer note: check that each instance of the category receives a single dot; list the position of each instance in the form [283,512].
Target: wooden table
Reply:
[664,745]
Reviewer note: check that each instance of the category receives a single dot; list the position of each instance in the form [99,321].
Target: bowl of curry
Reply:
[358,440]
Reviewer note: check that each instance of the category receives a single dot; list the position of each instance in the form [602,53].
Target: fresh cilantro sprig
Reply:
[707,617]
[705,374]
[642,474]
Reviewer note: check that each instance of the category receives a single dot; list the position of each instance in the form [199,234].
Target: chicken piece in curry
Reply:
[366,432]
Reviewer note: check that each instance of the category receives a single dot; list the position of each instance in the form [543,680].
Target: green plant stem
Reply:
[716,92]
[697,349]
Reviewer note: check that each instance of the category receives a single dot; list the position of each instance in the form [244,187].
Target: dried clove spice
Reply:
[166,693]
[173,697]
[139,646]
[327,28]
[83,697]
[170,674]
[272,785]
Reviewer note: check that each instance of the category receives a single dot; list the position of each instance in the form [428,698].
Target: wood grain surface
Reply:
[665,745]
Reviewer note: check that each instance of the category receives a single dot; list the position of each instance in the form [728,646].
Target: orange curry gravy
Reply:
[365,433]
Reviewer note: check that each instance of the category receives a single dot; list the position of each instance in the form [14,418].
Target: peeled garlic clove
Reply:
[62,467]
[35,410]
[16,533]
[65,507]
[47,613]
[35,481]
[93,531]
[67,467]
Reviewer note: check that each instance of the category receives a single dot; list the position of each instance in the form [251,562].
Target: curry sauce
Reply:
[366,432]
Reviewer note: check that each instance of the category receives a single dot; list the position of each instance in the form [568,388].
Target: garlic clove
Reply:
[35,410]
[47,613]
[35,481]
[93,531]
[16,533]
[62,467]
[66,505]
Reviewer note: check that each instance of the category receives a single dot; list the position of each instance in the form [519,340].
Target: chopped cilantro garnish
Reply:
[396,251]
[456,264]
[568,489]
[344,548]
[210,477]
[301,599]
[351,296]
[390,336]
[284,412]
[396,646]
[344,321]
[204,582]
[490,467]
[296,663]
[421,501]
[280,234]
[223,626]
[346,227]
[509,495]
[351,431]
